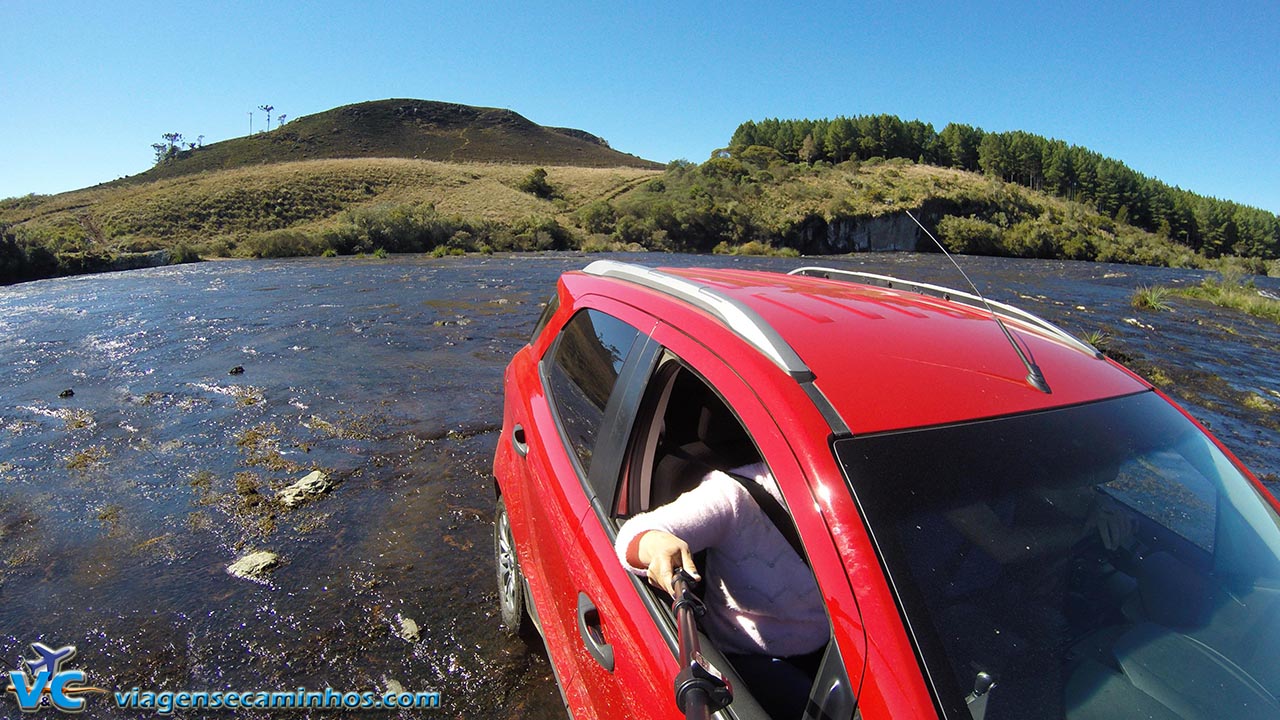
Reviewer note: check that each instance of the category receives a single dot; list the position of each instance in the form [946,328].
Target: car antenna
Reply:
[1035,378]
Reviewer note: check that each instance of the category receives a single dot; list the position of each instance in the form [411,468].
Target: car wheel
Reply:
[510,579]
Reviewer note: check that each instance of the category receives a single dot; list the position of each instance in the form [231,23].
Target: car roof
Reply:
[894,355]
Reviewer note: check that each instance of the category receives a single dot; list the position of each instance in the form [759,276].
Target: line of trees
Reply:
[1208,225]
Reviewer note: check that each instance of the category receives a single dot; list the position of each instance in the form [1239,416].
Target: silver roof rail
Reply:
[949,294]
[739,318]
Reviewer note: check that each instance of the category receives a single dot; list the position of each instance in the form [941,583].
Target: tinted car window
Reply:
[584,367]
[553,304]
[1072,555]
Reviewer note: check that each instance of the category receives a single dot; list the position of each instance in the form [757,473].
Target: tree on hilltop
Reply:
[168,149]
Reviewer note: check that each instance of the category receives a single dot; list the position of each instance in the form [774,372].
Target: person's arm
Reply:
[657,542]
[660,553]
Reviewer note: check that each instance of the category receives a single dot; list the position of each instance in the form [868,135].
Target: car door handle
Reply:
[592,632]
[518,441]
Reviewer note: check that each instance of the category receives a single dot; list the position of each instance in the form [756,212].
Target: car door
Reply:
[585,374]
[635,618]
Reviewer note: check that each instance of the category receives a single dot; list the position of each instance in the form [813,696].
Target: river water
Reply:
[200,390]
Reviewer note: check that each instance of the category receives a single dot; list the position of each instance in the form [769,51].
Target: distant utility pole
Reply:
[250,122]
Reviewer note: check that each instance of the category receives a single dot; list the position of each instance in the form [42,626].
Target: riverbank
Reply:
[726,205]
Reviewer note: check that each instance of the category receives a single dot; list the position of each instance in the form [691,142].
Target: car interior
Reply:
[684,431]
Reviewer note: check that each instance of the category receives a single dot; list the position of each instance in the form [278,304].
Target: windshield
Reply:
[1098,561]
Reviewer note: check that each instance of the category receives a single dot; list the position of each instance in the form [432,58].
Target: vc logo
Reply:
[47,683]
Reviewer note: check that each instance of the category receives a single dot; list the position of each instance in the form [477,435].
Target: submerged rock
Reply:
[67,393]
[237,370]
[254,566]
[408,630]
[313,485]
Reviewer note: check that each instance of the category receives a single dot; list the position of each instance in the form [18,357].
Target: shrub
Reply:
[535,183]
[129,243]
[631,229]
[600,243]
[727,168]
[597,217]
[394,228]
[541,234]
[1040,238]
[970,235]
[760,156]
[281,243]
[183,253]
[1153,297]
[754,247]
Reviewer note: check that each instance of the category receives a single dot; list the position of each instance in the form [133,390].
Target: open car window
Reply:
[684,430]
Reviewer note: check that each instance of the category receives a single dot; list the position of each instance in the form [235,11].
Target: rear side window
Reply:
[548,311]
[584,367]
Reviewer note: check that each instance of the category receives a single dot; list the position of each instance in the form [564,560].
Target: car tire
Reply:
[511,597]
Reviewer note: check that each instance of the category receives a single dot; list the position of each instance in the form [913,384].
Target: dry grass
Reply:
[311,195]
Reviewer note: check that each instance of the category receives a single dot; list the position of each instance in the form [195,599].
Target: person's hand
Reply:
[661,553]
[1115,526]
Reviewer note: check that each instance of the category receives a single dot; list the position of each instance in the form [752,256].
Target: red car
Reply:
[1002,523]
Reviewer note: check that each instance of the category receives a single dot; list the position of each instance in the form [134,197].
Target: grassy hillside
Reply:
[416,129]
[759,202]
[753,203]
[246,211]
[1206,225]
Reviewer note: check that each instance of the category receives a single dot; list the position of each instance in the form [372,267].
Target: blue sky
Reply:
[1186,92]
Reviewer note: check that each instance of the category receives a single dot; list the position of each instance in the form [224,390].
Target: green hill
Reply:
[417,129]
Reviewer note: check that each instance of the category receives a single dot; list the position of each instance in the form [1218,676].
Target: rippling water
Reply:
[122,504]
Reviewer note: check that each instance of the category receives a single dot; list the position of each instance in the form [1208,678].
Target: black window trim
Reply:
[619,423]
[544,318]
